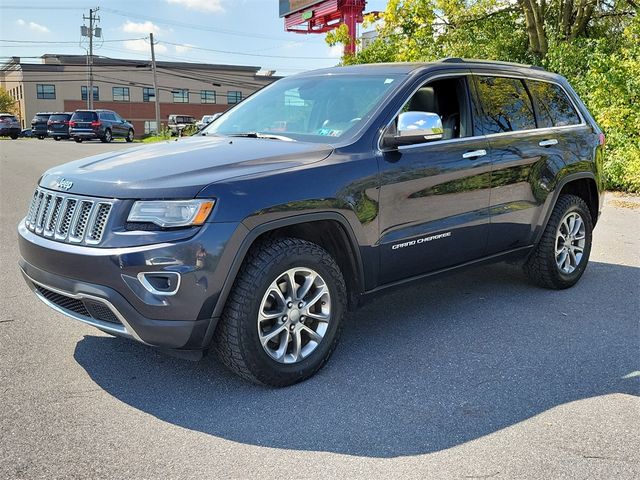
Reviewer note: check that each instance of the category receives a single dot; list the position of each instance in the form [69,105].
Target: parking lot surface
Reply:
[474,375]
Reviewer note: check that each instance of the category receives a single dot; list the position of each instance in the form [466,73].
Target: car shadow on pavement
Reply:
[422,369]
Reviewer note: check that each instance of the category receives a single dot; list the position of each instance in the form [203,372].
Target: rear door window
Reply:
[553,106]
[506,105]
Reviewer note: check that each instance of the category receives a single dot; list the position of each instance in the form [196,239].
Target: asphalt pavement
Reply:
[474,375]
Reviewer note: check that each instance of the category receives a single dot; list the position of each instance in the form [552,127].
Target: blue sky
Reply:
[184,29]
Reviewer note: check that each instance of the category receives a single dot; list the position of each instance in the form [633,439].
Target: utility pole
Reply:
[156,93]
[91,32]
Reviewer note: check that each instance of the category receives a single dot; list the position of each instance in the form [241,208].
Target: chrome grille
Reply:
[68,218]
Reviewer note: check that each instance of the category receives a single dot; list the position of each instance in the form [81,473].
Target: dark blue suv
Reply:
[102,124]
[255,237]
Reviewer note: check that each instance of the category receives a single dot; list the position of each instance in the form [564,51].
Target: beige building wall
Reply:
[69,79]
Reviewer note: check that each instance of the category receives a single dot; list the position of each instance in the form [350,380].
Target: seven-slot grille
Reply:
[68,218]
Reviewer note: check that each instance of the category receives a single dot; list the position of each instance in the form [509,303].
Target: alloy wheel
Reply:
[570,242]
[294,315]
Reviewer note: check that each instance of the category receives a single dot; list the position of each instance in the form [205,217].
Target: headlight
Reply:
[171,213]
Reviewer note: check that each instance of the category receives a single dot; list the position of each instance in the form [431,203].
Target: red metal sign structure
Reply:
[306,16]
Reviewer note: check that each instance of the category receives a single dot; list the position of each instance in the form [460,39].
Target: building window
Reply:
[96,93]
[150,127]
[180,96]
[46,92]
[207,96]
[120,94]
[233,96]
[148,94]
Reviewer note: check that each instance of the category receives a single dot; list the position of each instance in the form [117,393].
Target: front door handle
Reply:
[548,143]
[474,154]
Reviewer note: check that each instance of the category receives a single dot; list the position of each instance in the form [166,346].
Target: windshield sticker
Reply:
[328,132]
[388,80]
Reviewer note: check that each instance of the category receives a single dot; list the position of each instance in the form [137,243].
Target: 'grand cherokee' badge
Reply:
[64,184]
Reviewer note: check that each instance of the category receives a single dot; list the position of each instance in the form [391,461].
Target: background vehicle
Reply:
[26,133]
[206,120]
[177,123]
[58,125]
[375,175]
[9,126]
[39,124]
[102,124]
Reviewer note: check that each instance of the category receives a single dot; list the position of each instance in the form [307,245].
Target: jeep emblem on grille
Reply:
[64,184]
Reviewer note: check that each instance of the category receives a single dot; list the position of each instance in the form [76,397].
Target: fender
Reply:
[556,194]
[253,234]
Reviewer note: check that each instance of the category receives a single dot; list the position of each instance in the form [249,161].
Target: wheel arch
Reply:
[330,230]
[581,184]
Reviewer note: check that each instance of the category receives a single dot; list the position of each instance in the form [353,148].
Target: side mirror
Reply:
[416,127]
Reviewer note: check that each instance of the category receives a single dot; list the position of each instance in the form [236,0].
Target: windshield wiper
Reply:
[262,135]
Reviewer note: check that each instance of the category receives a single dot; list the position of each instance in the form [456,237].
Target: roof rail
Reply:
[490,62]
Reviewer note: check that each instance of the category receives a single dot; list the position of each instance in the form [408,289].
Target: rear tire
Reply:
[248,321]
[561,256]
[40,137]
[14,137]
[78,140]
[107,137]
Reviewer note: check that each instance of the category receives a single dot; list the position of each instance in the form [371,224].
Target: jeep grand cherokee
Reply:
[256,236]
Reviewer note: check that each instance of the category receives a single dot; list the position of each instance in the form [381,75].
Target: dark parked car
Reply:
[102,124]
[39,124]
[26,133]
[9,126]
[255,237]
[58,125]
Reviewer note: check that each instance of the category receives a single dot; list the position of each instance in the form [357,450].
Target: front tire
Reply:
[284,315]
[129,137]
[57,139]
[561,256]
[78,140]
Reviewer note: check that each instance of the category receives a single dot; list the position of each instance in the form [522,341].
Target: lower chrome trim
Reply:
[123,330]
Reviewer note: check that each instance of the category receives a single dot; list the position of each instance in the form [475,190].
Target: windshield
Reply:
[307,108]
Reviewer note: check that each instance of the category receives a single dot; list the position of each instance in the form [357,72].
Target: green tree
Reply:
[7,103]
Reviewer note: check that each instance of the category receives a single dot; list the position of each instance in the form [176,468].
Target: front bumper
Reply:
[100,286]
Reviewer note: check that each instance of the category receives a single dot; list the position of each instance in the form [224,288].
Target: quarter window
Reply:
[148,94]
[180,96]
[506,105]
[234,96]
[207,96]
[121,94]
[46,92]
[553,105]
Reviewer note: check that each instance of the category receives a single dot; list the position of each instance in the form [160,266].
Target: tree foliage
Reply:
[7,103]
[594,43]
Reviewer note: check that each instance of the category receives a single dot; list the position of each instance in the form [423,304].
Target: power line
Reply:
[229,52]
[48,42]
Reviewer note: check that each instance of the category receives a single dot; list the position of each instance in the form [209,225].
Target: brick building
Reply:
[59,84]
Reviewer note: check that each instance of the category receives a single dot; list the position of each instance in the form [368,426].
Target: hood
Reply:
[178,169]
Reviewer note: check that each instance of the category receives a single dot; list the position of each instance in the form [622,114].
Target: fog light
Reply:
[160,283]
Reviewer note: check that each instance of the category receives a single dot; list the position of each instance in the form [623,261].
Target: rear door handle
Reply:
[474,154]
[548,143]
